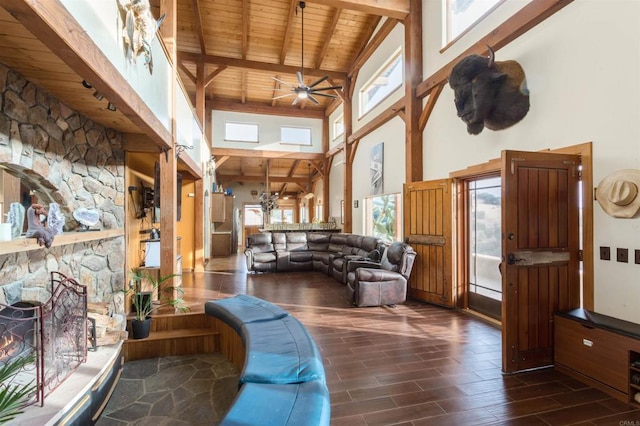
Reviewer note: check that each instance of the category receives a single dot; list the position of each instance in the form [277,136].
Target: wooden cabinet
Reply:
[219,207]
[598,349]
[634,377]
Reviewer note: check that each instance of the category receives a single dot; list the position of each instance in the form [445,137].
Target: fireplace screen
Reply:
[54,332]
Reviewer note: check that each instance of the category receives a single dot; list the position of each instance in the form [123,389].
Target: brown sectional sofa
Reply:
[307,251]
[376,274]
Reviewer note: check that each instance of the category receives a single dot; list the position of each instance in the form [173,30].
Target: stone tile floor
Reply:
[177,390]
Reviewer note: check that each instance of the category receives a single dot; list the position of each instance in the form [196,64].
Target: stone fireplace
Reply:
[54,333]
[62,157]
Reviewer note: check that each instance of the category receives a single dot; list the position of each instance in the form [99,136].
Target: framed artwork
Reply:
[377,157]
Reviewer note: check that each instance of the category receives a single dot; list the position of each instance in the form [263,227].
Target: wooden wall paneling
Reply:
[428,229]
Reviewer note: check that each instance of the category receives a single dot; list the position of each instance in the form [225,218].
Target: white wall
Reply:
[583,67]
[392,135]
[583,72]
[102,22]
[268,131]
[394,40]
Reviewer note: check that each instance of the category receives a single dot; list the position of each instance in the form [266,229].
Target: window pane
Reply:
[338,127]
[485,237]
[295,135]
[462,14]
[252,215]
[241,132]
[382,217]
[387,80]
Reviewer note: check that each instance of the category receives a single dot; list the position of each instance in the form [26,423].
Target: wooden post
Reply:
[413,105]
[348,166]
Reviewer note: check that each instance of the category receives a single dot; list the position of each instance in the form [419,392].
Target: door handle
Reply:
[512,259]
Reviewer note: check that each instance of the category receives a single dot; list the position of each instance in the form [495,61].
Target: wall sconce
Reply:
[111,107]
[98,95]
[181,148]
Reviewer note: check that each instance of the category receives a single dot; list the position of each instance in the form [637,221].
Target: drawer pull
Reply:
[587,326]
[587,342]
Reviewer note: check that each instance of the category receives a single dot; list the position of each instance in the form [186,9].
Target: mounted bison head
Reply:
[488,93]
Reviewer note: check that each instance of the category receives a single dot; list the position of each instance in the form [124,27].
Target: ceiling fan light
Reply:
[302,94]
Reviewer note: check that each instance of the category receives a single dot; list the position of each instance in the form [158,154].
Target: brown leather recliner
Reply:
[384,283]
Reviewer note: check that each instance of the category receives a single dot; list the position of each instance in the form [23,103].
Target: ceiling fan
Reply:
[302,91]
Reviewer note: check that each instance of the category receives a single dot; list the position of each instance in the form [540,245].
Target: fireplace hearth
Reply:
[55,331]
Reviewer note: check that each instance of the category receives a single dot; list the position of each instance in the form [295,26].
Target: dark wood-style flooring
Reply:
[416,364]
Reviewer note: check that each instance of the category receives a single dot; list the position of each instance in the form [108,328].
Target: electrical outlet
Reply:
[637,253]
[622,255]
[605,253]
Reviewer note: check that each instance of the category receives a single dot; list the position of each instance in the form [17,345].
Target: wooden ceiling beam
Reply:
[188,73]
[286,42]
[220,161]
[257,65]
[428,108]
[213,75]
[327,40]
[371,47]
[245,28]
[397,9]
[225,179]
[378,121]
[252,153]
[267,109]
[199,30]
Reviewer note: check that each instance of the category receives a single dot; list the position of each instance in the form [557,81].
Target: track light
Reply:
[98,95]
[111,107]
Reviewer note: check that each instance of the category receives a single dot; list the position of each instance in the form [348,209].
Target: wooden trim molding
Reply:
[28,244]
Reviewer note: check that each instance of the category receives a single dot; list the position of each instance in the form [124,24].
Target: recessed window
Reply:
[384,82]
[240,132]
[295,135]
[460,15]
[338,127]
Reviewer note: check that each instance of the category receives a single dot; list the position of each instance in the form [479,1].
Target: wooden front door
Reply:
[540,248]
[427,227]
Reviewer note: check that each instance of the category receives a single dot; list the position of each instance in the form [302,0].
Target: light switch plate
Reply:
[622,255]
[605,253]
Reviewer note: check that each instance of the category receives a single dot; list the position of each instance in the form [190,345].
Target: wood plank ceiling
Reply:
[241,45]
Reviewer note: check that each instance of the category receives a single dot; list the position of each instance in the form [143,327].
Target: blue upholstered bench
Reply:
[243,309]
[283,379]
[298,404]
[279,352]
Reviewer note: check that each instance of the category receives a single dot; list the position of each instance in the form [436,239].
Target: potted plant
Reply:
[14,397]
[143,305]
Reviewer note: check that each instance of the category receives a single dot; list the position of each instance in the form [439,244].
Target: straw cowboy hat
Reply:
[618,193]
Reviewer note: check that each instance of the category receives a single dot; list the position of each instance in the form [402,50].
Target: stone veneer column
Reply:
[78,163]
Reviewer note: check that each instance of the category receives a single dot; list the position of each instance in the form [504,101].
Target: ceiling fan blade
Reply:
[314,100]
[295,100]
[300,80]
[327,88]
[283,96]
[315,83]
[326,95]
[283,82]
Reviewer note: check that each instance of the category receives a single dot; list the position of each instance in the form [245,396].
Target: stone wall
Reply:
[75,163]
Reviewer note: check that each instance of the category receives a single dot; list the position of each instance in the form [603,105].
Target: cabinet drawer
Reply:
[596,353]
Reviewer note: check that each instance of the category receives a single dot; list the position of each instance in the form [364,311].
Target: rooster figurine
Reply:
[139,30]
